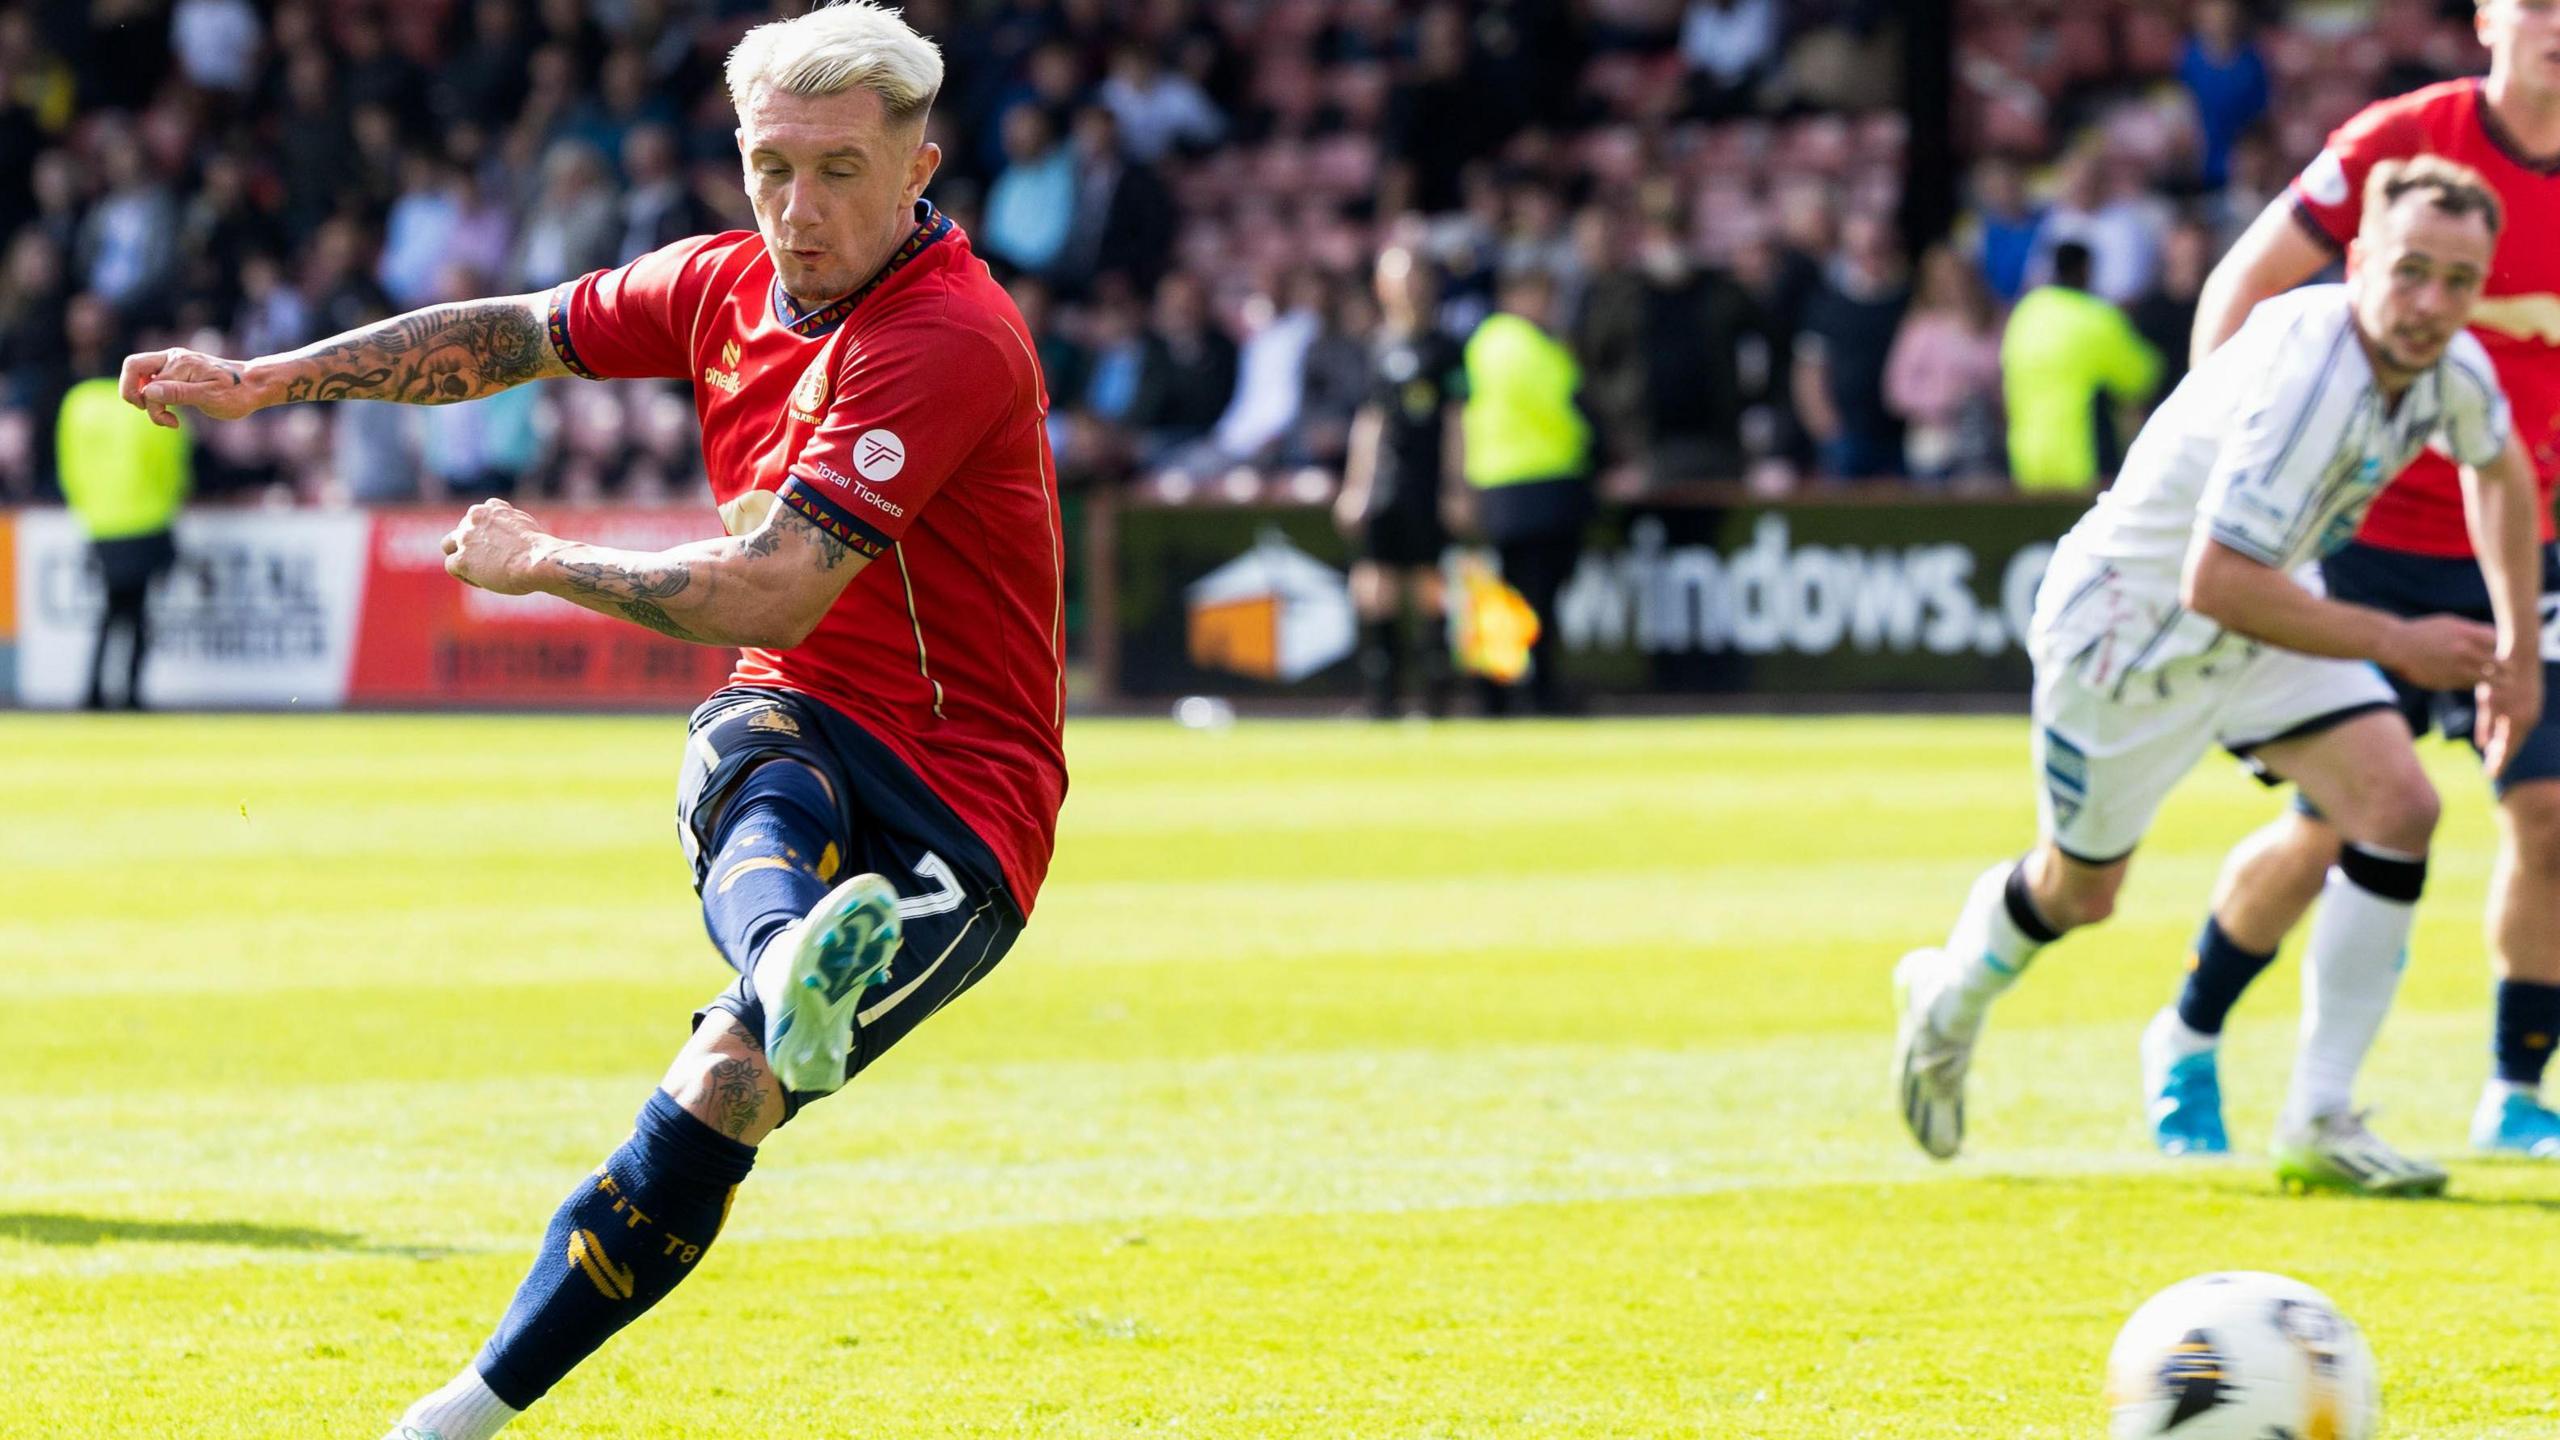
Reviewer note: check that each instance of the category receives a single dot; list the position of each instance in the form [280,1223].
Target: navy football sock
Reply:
[2528,1020]
[774,856]
[620,1242]
[2220,972]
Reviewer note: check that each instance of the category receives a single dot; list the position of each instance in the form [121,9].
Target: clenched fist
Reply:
[496,547]
[160,381]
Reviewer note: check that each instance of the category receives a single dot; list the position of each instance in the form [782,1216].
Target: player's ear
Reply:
[920,167]
[2355,254]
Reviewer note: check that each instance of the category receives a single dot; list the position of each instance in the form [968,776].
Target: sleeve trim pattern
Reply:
[823,512]
[557,325]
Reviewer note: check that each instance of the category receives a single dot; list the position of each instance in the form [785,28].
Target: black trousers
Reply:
[128,566]
[1538,566]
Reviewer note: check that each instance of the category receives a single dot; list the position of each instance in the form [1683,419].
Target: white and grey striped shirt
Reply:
[2275,446]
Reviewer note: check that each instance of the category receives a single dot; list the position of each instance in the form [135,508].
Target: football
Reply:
[2242,1356]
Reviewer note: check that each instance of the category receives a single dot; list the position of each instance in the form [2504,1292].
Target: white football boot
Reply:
[1929,1062]
[811,979]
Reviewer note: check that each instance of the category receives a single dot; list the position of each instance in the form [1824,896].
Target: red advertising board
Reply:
[426,640]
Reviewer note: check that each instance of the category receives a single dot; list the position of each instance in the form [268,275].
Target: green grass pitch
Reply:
[1425,1083]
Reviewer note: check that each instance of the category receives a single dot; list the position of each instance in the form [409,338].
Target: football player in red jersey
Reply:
[869,806]
[2413,557]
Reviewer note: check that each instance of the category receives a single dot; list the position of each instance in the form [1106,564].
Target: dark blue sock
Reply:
[2219,972]
[619,1243]
[773,857]
[2528,1021]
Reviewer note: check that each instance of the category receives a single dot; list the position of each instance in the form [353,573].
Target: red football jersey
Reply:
[906,419]
[2518,316]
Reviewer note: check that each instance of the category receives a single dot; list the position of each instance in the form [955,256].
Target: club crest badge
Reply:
[809,397]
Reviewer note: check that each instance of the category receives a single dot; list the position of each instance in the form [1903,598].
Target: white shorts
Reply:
[2103,765]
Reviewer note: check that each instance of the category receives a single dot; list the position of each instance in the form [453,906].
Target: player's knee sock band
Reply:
[774,857]
[2021,905]
[624,1238]
[2391,876]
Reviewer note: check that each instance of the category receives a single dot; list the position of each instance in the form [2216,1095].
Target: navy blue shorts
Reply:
[2413,585]
[959,919]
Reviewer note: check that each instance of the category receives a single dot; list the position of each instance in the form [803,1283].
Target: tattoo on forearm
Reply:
[832,552]
[634,591]
[736,1098]
[436,356]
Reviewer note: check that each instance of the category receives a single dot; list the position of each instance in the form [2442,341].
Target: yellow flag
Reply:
[1495,626]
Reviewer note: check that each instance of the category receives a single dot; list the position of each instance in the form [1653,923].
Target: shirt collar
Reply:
[931,226]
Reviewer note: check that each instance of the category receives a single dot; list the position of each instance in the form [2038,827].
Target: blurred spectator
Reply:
[418,237]
[2003,226]
[222,227]
[1158,109]
[124,478]
[2227,78]
[1534,237]
[1336,380]
[622,104]
[1281,325]
[35,354]
[2065,352]
[371,455]
[2166,314]
[658,208]
[491,72]
[1439,117]
[1943,377]
[1032,205]
[1107,413]
[1661,341]
[1124,215]
[1729,46]
[128,245]
[317,153]
[573,227]
[217,44]
[2106,207]
[372,72]
[469,451]
[2258,175]
[1528,465]
[1840,354]
[1394,484]
[1188,375]
[57,189]
[273,316]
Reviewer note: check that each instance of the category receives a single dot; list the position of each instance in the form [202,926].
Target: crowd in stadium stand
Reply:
[1186,197]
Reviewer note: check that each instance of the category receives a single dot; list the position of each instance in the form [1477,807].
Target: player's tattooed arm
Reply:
[768,588]
[436,356]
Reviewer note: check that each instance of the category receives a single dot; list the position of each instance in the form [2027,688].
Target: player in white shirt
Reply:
[2183,612]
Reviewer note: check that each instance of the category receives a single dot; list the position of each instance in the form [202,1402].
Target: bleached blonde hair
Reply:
[852,45]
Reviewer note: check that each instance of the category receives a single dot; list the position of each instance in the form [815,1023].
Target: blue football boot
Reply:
[2184,1089]
[2511,1122]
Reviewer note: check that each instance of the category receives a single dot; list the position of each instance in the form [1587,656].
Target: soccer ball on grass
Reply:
[2242,1355]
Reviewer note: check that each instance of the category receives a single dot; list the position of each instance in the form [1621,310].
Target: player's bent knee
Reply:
[722,1080]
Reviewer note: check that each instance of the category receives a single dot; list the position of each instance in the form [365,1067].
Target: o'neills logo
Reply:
[724,381]
[810,395]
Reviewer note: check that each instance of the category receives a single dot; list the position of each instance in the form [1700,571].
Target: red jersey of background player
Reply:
[907,420]
[2518,315]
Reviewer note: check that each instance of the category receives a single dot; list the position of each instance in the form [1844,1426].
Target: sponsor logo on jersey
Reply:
[724,381]
[809,397]
[878,501]
[729,353]
[833,476]
[879,454]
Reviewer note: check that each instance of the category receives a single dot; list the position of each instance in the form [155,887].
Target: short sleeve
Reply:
[633,322]
[2328,196]
[2266,479]
[910,409]
[2477,423]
